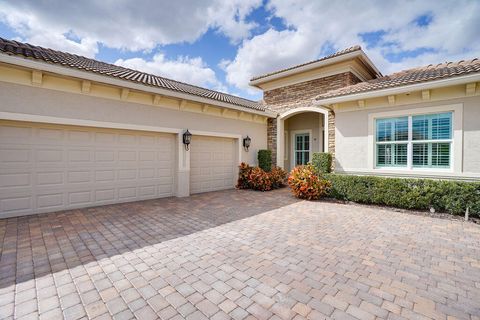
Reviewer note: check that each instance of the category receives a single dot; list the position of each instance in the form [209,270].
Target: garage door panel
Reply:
[14,155]
[50,178]
[16,134]
[79,176]
[127,174]
[52,167]
[104,155]
[50,201]
[80,198]
[102,195]
[79,156]
[104,175]
[16,204]
[127,156]
[103,138]
[146,173]
[79,137]
[212,164]
[50,135]
[15,179]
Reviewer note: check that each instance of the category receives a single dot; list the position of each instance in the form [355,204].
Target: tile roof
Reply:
[408,77]
[69,60]
[333,55]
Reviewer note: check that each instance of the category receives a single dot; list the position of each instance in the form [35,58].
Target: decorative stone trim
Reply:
[331,136]
[272,138]
[289,97]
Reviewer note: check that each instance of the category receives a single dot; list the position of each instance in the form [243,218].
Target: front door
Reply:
[301,148]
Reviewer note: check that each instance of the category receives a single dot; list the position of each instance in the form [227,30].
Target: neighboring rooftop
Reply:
[408,77]
[352,52]
[69,60]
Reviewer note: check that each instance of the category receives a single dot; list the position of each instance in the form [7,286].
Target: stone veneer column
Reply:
[272,138]
[331,136]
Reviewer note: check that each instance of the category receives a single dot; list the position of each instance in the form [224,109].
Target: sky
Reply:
[222,44]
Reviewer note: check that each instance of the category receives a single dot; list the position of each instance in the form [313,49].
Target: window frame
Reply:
[456,144]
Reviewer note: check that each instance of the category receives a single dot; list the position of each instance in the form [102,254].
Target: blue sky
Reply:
[222,44]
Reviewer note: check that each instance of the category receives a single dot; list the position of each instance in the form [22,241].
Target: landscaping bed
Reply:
[314,181]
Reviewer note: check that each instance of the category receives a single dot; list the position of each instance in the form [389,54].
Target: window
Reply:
[392,141]
[420,141]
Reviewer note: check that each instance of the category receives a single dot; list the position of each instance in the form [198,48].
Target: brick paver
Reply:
[238,255]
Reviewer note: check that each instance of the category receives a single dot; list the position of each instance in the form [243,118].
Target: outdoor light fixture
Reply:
[187,138]
[246,143]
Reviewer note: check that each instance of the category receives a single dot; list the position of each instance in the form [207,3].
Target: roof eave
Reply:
[370,64]
[85,75]
[315,65]
[401,89]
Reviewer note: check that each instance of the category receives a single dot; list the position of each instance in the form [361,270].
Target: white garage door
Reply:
[47,168]
[212,164]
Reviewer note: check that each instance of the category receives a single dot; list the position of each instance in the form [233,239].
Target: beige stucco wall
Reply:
[351,135]
[44,102]
[304,121]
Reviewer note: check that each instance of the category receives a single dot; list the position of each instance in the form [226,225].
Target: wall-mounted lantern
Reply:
[187,138]
[246,143]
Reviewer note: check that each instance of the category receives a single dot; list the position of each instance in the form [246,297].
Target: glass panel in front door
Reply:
[302,148]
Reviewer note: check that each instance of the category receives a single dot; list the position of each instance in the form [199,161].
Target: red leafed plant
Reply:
[259,180]
[278,177]
[306,184]
[243,173]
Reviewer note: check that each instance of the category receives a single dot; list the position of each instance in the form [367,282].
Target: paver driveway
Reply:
[238,254]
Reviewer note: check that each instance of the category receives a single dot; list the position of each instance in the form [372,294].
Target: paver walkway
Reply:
[238,254]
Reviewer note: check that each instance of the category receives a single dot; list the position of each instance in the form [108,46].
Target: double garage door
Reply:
[46,168]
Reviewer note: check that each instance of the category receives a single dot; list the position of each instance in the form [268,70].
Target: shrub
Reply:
[278,177]
[243,173]
[421,194]
[322,161]
[259,180]
[306,184]
[265,160]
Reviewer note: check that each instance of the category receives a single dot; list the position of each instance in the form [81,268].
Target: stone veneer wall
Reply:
[301,95]
[331,136]
[272,138]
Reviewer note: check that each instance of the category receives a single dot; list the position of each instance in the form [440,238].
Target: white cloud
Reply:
[312,25]
[129,25]
[190,70]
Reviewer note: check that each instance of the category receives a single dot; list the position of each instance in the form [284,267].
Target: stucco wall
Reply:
[304,121]
[351,134]
[44,102]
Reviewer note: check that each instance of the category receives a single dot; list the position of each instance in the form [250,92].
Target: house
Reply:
[76,132]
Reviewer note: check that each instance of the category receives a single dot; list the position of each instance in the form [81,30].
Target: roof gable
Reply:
[354,53]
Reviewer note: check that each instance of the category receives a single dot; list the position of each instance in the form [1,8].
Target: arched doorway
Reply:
[300,132]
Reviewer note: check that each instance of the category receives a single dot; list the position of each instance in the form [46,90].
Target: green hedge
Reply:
[265,160]
[322,161]
[445,196]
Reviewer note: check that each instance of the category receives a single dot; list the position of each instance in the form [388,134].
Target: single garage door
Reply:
[212,164]
[47,168]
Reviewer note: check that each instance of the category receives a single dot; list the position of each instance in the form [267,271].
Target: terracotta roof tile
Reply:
[29,51]
[408,77]
[333,55]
